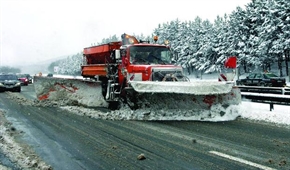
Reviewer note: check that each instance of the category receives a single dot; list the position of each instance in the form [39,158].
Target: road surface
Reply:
[68,141]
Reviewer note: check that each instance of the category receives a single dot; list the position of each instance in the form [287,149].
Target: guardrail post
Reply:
[271,106]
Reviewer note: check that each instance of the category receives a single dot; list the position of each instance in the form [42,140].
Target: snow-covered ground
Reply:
[261,112]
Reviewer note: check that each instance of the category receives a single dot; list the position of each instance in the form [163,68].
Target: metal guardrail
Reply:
[267,90]
[270,95]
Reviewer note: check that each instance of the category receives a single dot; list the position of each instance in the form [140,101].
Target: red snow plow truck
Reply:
[140,75]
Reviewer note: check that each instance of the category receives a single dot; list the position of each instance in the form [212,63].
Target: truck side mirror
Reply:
[117,54]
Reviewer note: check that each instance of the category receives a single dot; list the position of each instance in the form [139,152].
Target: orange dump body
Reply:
[96,58]
[100,54]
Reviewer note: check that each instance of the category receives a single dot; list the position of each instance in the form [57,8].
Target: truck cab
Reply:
[116,64]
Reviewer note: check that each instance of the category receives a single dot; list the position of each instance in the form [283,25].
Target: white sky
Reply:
[37,30]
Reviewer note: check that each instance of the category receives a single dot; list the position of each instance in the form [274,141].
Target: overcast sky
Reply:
[38,30]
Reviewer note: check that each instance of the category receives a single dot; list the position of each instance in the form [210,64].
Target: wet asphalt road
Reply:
[68,141]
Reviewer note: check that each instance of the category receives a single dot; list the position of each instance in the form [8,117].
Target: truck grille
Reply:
[9,83]
[167,74]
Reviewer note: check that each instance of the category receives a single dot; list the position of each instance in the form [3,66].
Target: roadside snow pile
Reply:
[21,154]
[261,111]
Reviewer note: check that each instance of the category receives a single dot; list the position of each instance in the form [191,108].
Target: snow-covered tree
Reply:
[258,35]
[71,65]
[110,39]
[239,27]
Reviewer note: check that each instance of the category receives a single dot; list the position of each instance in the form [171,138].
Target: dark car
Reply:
[9,82]
[24,79]
[49,75]
[262,79]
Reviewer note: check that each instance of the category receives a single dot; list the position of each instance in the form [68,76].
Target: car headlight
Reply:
[1,84]
[18,84]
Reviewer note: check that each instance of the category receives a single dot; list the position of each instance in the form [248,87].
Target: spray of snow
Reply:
[71,90]
[217,113]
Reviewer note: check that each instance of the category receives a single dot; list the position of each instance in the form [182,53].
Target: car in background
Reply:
[49,75]
[262,79]
[9,82]
[24,79]
[30,79]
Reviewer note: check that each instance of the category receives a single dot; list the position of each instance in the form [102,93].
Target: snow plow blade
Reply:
[69,91]
[185,100]
[181,87]
[186,95]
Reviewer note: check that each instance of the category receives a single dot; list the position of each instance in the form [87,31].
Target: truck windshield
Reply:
[150,55]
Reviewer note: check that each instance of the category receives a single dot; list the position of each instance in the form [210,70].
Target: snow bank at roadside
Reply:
[261,112]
